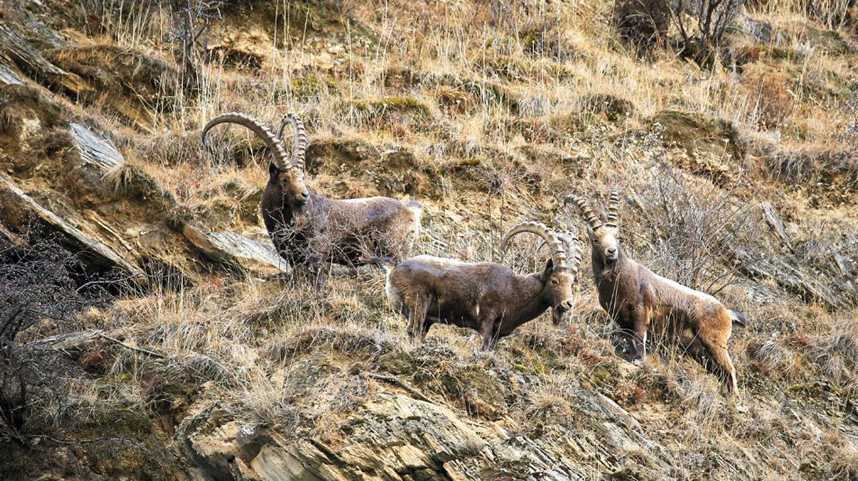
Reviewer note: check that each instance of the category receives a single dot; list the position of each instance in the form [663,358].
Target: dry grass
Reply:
[508,111]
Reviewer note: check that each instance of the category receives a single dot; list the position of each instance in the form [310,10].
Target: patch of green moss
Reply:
[397,363]
[829,41]
[310,86]
[384,108]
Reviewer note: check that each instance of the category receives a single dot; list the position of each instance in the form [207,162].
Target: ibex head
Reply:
[291,180]
[286,175]
[604,236]
[561,269]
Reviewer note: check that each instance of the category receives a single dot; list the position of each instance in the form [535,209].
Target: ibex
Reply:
[635,297]
[487,297]
[307,227]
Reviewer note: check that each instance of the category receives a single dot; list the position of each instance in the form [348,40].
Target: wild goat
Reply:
[487,297]
[307,227]
[635,297]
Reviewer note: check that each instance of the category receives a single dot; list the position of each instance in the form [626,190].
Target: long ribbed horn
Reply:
[558,252]
[281,160]
[573,248]
[589,215]
[300,142]
[613,209]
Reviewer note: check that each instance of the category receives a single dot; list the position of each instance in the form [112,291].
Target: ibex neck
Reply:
[604,271]
[531,301]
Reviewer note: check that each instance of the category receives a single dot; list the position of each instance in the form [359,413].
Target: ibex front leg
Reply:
[417,318]
[489,330]
[640,324]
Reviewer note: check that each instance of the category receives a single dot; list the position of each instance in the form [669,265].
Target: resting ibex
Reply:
[487,297]
[635,297]
[309,228]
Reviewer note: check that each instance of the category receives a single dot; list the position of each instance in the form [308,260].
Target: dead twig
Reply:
[399,383]
[132,348]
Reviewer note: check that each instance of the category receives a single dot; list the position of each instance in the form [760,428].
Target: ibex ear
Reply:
[273,170]
[549,268]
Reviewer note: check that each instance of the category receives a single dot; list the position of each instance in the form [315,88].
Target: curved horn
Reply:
[558,253]
[592,218]
[280,158]
[300,142]
[573,248]
[613,208]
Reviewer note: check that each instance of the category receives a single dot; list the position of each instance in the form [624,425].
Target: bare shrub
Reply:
[692,232]
[702,25]
[191,19]
[642,24]
[49,281]
[13,386]
[40,283]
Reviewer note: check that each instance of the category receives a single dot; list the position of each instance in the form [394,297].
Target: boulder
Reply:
[394,437]
[17,209]
[236,250]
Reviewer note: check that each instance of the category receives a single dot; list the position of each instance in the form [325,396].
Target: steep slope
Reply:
[179,346]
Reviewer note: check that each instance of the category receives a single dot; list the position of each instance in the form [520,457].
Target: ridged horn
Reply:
[589,215]
[300,142]
[613,209]
[558,252]
[573,248]
[281,161]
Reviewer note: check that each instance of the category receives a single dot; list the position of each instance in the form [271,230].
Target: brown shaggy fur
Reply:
[308,228]
[345,232]
[487,297]
[637,299]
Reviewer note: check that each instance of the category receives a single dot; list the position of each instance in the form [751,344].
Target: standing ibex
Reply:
[487,297]
[635,297]
[309,228]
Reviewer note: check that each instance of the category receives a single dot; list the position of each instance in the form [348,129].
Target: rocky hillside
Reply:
[149,331]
